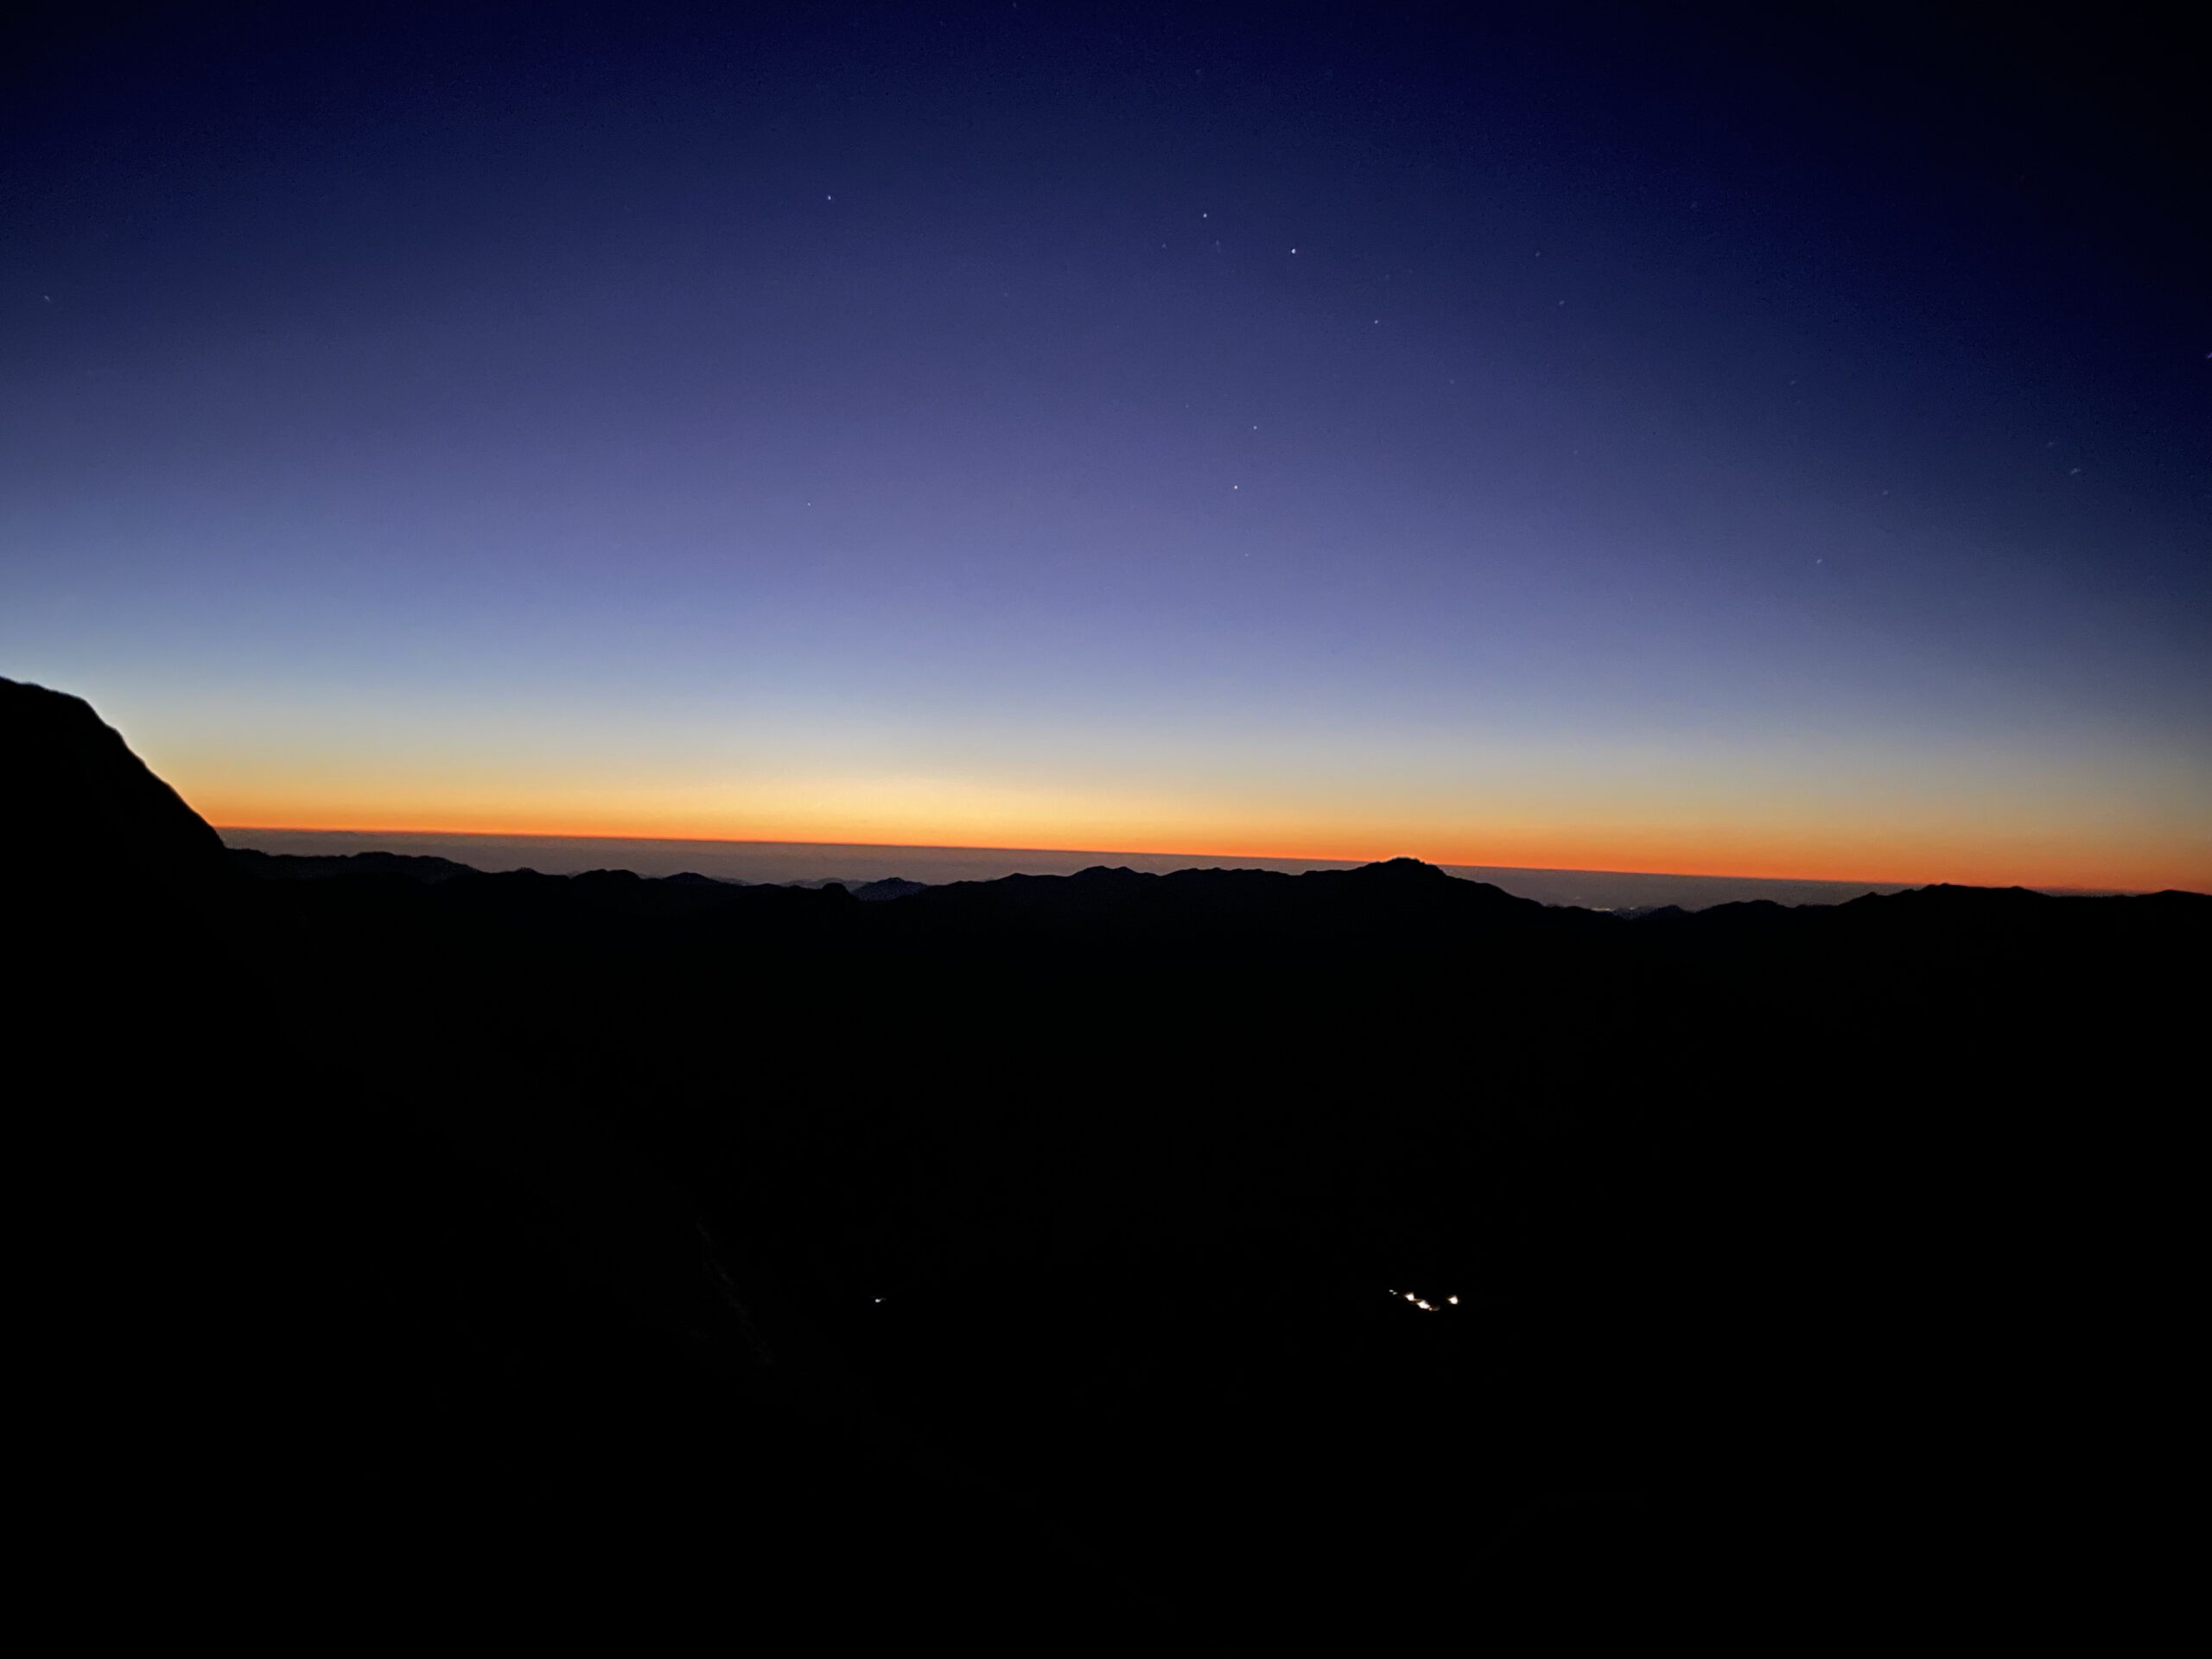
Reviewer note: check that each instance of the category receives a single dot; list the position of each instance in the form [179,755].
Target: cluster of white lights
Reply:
[1426,1307]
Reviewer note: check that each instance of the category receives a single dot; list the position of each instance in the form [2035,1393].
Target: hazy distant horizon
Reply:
[804,861]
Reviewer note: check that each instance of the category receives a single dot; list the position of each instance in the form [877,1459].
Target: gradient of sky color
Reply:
[1587,443]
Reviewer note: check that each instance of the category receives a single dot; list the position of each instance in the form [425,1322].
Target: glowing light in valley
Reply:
[1418,1302]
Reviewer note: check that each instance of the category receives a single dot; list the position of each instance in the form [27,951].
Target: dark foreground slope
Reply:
[1045,1258]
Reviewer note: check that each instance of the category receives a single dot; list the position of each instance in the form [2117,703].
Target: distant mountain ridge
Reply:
[1213,1250]
[815,864]
[281,867]
[1405,887]
[118,815]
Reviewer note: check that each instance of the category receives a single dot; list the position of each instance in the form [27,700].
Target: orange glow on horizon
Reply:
[1900,859]
[1907,830]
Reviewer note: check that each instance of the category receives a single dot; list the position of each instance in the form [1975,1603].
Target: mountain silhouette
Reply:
[84,804]
[1056,1259]
[294,866]
[889,886]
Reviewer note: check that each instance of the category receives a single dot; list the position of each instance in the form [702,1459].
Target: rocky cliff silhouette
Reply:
[1223,1255]
[84,805]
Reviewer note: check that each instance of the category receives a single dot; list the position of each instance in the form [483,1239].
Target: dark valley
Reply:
[1222,1255]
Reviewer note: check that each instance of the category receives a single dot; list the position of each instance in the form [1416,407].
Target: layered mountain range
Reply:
[1223,1254]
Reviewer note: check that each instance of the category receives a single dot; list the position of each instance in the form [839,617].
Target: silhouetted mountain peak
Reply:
[1403,869]
[84,800]
[891,887]
[1956,897]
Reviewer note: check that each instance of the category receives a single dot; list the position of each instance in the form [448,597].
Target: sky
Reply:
[1554,436]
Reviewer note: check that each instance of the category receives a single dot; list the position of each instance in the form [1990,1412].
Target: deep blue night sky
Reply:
[1578,440]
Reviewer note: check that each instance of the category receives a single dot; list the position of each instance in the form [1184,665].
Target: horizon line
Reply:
[1136,851]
